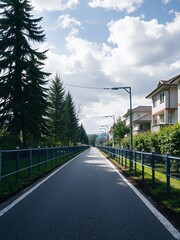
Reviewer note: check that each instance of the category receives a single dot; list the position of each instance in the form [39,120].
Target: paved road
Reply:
[85,200]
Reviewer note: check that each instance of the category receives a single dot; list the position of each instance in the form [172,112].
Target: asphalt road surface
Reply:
[86,199]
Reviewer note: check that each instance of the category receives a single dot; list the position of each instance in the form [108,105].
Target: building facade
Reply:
[165,103]
[141,118]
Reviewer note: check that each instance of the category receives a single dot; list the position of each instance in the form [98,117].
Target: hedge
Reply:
[166,140]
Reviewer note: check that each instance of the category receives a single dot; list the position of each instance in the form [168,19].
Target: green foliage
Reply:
[56,109]
[169,139]
[29,114]
[6,140]
[92,139]
[119,130]
[125,143]
[83,138]
[62,120]
[166,140]
[71,126]
[22,92]
[146,141]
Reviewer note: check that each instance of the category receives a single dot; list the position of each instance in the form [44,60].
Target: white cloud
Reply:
[176,65]
[140,53]
[166,1]
[65,21]
[119,5]
[51,5]
[140,44]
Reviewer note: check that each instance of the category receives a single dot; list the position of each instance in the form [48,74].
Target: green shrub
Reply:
[166,140]
[125,143]
[7,141]
[142,142]
[169,139]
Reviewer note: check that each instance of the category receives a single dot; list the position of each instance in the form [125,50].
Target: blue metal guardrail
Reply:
[15,162]
[165,164]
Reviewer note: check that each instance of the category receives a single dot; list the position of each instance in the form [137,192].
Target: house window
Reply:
[161,97]
[170,119]
[154,102]
[141,127]
[155,120]
[138,115]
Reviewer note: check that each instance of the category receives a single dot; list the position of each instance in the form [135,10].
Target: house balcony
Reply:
[157,127]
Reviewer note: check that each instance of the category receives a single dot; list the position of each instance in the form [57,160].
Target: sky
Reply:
[96,44]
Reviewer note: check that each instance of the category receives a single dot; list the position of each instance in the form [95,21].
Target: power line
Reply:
[79,86]
[102,88]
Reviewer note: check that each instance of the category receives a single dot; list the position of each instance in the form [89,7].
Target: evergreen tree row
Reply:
[62,119]
[29,111]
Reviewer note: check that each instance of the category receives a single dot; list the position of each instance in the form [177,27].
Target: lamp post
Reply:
[128,90]
[103,130]
[113,117]
[107,132]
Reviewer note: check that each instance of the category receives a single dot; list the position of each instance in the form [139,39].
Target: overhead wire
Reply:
[79,86]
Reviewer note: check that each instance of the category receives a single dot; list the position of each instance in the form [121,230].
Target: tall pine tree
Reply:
[22,81]
[56,109]
[71,121]
[83,138]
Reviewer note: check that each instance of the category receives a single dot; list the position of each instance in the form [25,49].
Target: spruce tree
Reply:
[56,109]
[92,139]
[22,79]
[71,121]
[83,135]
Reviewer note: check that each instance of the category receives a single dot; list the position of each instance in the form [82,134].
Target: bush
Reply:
[142,142]
[125,143]
[166,140]
[7,141]
[169,139]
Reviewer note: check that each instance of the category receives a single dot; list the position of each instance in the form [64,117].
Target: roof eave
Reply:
[160,88]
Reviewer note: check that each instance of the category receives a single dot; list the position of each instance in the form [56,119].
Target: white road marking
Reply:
[175,233]
[6,209]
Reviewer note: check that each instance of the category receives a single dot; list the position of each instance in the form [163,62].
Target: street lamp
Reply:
[103,133]
[107,132]
[128,90]
[113,117]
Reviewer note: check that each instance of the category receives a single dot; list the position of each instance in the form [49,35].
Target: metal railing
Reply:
[18,162]
[164,164]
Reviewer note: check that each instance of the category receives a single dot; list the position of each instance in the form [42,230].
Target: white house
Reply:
[166,103]
[141,118]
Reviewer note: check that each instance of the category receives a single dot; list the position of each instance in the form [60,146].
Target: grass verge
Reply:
[9,186]
[168,206]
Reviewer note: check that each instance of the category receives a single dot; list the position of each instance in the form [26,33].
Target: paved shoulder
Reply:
[86,199]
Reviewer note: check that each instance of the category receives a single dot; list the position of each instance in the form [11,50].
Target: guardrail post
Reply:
[130,160]
[167,175]
[0,165]
[46,162]
[119,151]
[121,156]
[17,165]
[30,162]
[51,150]
[142,163]
[56,154]
[39,157]
[119,159]
[61,154]
[125,159]
[135,162]
[153,169]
